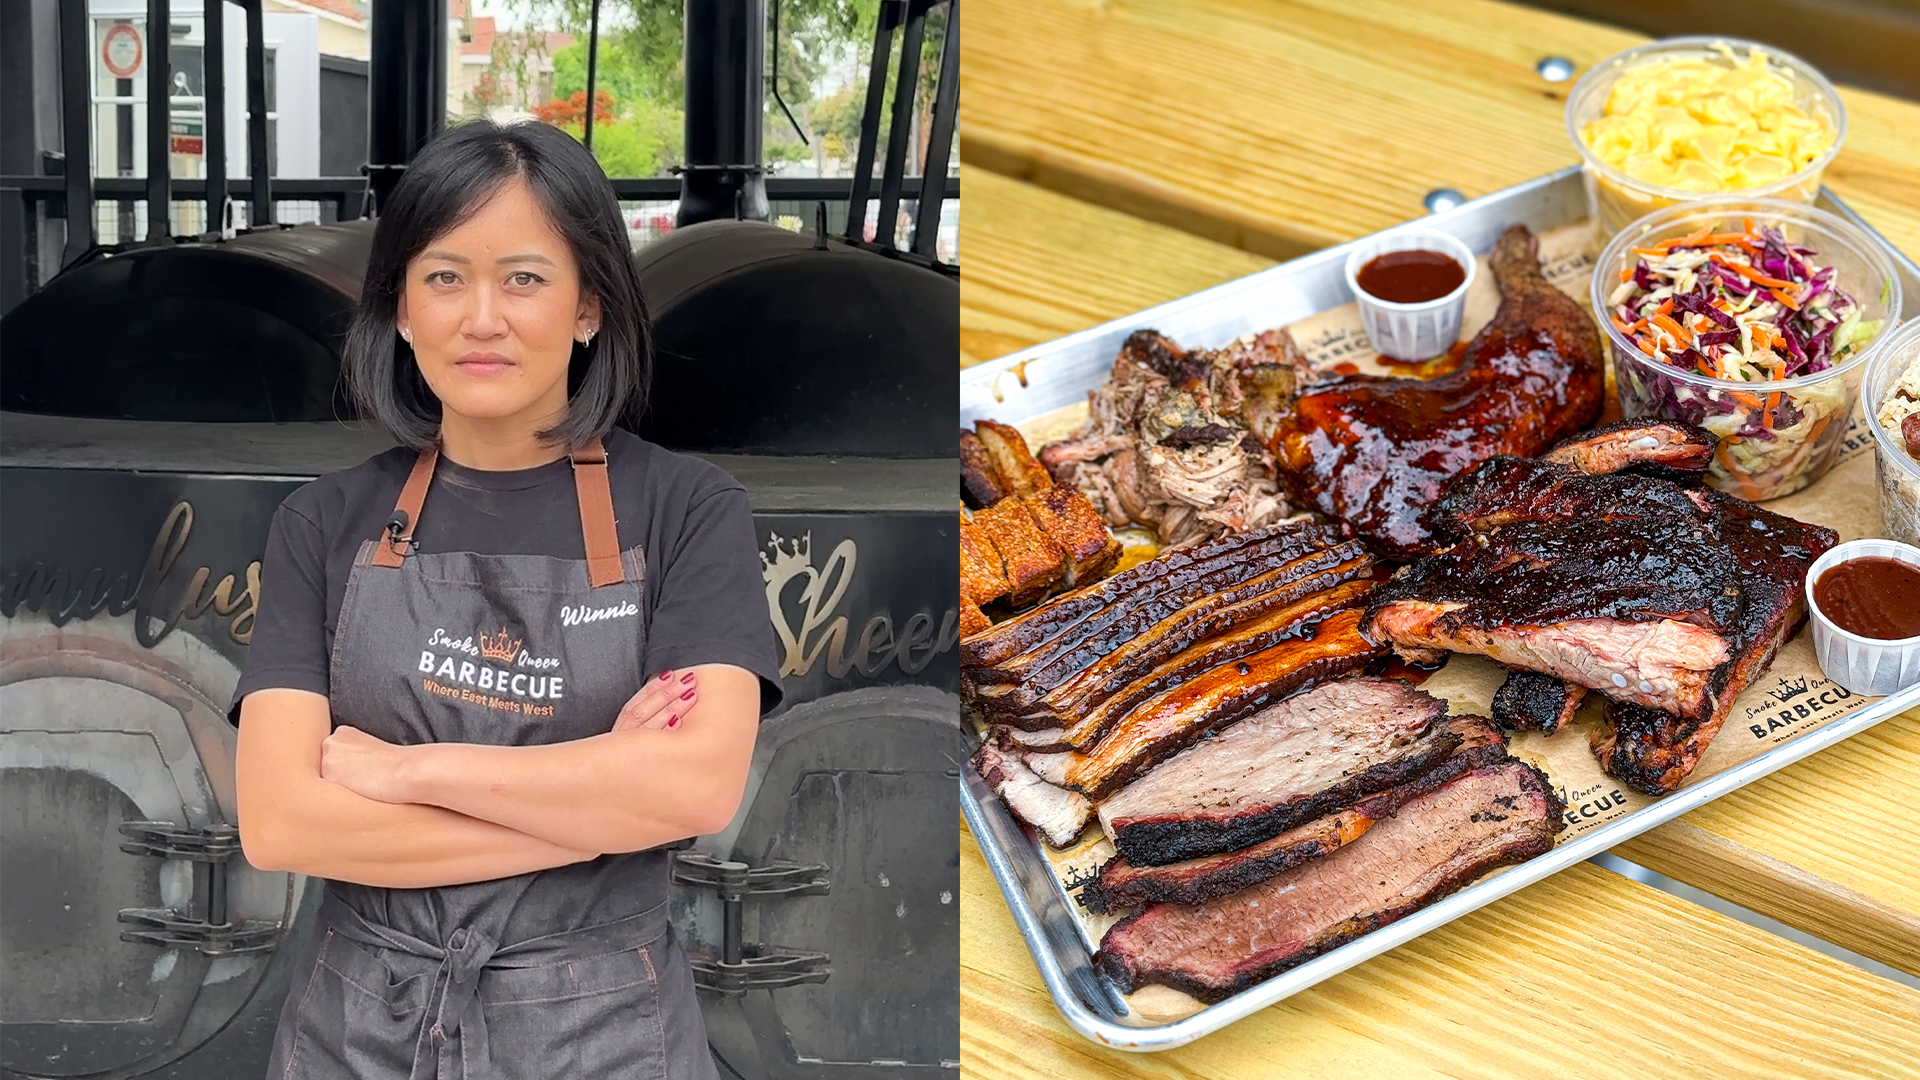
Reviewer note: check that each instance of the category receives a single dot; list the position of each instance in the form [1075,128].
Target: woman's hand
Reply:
[363,764]
[660,704]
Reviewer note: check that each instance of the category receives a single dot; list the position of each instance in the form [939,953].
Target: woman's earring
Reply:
[588,340]
[406,336]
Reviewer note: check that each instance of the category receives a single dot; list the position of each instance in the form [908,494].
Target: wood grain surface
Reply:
[1279,126]
[1583,975]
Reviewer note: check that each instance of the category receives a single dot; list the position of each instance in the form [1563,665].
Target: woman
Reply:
[496,668]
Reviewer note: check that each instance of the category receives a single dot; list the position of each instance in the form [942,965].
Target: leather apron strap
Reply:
[592,490]
[597,523]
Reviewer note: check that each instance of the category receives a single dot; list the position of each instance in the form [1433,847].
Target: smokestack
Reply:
[726,51]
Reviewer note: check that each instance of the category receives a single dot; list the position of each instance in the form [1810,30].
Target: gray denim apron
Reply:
[570,972]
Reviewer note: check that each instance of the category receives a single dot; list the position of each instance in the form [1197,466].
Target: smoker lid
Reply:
[768,341]
[222,330]
[774,484]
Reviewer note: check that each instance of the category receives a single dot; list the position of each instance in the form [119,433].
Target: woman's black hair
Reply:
[450,179]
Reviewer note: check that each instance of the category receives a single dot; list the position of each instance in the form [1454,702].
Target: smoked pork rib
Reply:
[1656,595]
[1435,844]
[1373,452]
[1643,612]
[1294,761]
[1123,885]
[1166,723]
[1659,448]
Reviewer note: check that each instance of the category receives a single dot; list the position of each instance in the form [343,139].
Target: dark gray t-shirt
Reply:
[706,603]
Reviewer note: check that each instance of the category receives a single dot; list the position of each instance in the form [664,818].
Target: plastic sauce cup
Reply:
[1411,331]
[1864,665]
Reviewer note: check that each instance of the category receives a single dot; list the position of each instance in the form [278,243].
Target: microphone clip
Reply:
[397,536]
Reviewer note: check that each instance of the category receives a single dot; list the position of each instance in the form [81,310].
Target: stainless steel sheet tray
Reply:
[1034,382]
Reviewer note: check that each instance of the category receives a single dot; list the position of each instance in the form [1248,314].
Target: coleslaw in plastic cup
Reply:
[1618,196]
[1752,318]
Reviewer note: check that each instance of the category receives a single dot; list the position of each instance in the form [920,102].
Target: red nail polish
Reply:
[688,677]
[673,723]
[688,696]
[667,674]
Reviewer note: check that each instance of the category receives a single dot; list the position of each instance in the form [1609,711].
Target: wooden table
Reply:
[1124,153]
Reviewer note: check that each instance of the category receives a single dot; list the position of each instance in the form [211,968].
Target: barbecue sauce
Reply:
[1410,277]
[1874,596]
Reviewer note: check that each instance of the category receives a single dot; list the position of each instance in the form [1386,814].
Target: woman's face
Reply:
[493,308]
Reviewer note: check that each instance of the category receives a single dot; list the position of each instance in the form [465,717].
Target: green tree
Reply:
[641,60]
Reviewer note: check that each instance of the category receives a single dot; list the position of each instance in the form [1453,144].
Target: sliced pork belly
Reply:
[1058,814]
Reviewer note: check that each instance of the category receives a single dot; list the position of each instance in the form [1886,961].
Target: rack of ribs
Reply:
[1667,599]
[1373,452]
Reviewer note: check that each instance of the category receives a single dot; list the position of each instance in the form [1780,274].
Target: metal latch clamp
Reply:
[744,966]
[205,925]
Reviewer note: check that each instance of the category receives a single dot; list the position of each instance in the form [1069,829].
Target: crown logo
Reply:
[499,646]
[1790,689]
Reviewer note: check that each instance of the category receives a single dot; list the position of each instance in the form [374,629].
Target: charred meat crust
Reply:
[1507,489]
[1159,841]
[1166,724]
[1172,614]
[1660,448]
[1131,973]
[1531,701]
[1063,616]
[1534,573]
[1292,621]
[1123,885]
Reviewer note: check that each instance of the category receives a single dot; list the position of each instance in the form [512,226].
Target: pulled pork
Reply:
[1166,445]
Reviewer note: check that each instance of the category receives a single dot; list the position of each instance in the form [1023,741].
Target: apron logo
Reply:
[499,647]
[487,676]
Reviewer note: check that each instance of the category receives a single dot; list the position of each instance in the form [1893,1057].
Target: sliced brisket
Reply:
[1123,885]
[1489,817]
[1068,620]
[1293,761]
[1056,813]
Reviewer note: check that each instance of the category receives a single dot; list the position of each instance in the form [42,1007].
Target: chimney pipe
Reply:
[725,54]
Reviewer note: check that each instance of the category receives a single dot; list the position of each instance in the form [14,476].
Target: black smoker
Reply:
[160,401]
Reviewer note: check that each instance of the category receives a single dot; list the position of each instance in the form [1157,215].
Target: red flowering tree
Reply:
[571,112]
